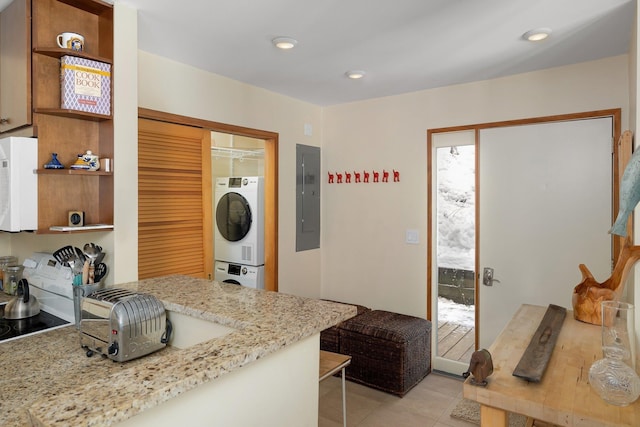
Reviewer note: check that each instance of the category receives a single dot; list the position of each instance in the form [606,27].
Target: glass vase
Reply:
[614,377]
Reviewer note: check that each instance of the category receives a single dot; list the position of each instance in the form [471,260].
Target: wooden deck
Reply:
[455,342]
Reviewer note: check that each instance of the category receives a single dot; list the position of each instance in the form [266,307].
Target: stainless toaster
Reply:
[122,324]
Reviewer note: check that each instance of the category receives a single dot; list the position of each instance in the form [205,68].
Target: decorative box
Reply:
[85,85]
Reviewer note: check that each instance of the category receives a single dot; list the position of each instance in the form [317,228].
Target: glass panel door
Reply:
[453,261]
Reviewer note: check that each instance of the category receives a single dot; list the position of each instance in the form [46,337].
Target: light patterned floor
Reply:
[428,404]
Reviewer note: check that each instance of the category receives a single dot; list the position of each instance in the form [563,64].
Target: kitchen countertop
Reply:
[47,380]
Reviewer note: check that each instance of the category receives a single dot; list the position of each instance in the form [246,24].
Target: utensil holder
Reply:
[11,275]
[5,261]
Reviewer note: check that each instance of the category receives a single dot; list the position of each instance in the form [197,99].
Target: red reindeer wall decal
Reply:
[337,177]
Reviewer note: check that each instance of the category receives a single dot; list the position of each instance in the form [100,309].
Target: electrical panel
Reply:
[307,197]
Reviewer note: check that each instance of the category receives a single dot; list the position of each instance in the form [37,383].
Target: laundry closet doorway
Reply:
[237,171]
[153,254]
[544,198]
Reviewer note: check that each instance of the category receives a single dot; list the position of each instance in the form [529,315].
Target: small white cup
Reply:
[71,41]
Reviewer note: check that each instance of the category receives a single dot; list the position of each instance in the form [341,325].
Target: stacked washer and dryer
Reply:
[239,231]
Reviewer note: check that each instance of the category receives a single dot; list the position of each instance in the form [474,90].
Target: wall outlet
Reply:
[412,237]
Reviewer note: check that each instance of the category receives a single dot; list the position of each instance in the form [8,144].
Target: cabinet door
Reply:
[15,65]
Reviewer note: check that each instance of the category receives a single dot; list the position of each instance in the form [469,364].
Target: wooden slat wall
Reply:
[174,200]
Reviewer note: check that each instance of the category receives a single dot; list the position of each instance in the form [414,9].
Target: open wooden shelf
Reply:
[68,132]
[97,7]
[80,229]
[71,172]
[75,114]
[58,52]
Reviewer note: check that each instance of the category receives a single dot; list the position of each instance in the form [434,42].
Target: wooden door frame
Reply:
[270,180]
[620,156]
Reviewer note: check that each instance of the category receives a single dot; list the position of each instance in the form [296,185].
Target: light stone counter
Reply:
[47,380]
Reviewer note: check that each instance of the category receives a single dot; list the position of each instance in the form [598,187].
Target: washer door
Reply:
[233,217]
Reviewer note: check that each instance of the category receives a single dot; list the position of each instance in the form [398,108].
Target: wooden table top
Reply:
[330,363]
[563,396]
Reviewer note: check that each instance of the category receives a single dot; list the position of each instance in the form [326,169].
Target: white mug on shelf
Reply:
[71,41]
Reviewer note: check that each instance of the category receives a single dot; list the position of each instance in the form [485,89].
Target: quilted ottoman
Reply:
[390,351]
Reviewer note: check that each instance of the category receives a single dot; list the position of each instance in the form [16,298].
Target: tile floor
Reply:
[428,404]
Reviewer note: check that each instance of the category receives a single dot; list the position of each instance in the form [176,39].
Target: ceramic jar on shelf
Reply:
[92,160]
[87,161]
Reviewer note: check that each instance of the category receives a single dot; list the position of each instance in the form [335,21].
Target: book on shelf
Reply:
[85,85]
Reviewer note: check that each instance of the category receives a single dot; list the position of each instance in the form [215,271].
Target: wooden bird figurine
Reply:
[481,366]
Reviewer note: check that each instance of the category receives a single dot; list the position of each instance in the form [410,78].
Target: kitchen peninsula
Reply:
[264,371]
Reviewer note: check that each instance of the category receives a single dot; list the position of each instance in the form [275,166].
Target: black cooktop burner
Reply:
[14,328]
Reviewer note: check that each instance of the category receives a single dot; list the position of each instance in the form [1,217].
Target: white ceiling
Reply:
[403,45]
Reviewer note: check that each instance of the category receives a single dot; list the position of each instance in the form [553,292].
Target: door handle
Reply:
[487,276]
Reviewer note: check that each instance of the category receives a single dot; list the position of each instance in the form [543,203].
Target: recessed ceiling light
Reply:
[355,74]
[284,43]
[537,35]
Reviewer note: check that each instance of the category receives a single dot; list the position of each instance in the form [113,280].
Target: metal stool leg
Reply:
[344,400]
[331,363]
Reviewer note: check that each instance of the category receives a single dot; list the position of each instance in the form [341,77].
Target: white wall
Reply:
[125,169]
[364,255]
